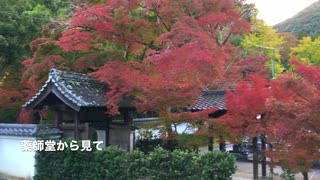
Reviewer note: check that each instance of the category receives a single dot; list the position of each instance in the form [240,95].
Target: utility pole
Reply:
[273,63]
[273,56]
[263,139]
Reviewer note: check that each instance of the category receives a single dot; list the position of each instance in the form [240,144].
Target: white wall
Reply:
[155,132]
[13,161]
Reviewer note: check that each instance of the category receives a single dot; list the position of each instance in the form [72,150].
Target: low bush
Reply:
[115,163]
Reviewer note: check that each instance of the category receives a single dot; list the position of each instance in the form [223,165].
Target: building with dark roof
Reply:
[209,100]
[28,130]
[77,91]
[78,102]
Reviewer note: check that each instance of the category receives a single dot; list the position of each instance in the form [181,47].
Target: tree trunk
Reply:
[222,144]
[305,176]
[210,143]
[107,131]
[76,125]
[263,161]
[271,168]
[210,138]
[255,158]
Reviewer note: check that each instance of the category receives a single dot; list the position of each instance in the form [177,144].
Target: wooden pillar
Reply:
[76,125]
[210,138]
[255,158]
[222,144]
[305,176]
[263,161]
[58,118]
[108,122]
[210,143]
[271,168]
[126,117]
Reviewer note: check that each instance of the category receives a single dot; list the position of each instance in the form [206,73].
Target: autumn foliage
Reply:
[145,40]
[290,109]
[174,67]
[245,104]
[160,55]
[297,112]
[139,49]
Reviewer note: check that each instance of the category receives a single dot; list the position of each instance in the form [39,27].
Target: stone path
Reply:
[245,172]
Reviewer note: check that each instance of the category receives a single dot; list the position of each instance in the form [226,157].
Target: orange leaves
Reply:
[75,40]
[24,116]
[38,43]
[26,63]
[149,83]
[95,17]
[244,104]
[161,54]
[308,72]
[79,35]
[126,80]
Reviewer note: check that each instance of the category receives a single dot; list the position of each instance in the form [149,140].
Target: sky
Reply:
[276,11]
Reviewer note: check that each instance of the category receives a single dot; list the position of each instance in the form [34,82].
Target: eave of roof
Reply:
[82,91]
[210,99]
[74,89]
[28,130]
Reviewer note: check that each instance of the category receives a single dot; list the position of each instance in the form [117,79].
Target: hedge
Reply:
[115,163]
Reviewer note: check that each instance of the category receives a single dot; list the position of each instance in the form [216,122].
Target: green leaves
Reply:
[308,51]
[115,163]
[216,166]
[20,23]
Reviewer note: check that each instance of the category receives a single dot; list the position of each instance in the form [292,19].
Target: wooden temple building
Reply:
[79,104]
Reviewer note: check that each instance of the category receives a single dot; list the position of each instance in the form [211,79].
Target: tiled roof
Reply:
[30,130]
[144,121]
[74,89]
[208,100]
[79,90]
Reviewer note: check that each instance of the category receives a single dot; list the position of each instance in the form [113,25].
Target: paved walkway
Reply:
[245,172]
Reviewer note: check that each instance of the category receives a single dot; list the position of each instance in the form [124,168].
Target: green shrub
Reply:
[137,165]
[65,164]
[115,163]
[148,145]
[163,164]
[216,165]
[111,163]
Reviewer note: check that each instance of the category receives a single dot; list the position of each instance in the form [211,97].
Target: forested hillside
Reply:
[306,22]
[21,22]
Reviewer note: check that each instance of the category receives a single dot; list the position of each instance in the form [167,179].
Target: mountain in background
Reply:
[306,22]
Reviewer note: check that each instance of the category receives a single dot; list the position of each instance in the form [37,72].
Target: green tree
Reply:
[21,22]
[262,40]
[302,34]
[307,51]
[290,41]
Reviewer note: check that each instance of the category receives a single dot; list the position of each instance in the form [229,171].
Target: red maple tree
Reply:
[188,53]
[289,106]
[245,103]
[295,108]
[162,53]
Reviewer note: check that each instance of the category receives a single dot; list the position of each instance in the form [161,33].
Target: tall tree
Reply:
[20,23]
[246,104]
[307,50]
[290,41]
[264,40]
[295,107]
[289,105]
[149,59]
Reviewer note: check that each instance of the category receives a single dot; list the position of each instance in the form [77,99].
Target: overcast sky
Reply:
[275,11]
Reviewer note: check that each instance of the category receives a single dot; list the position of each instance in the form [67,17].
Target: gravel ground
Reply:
[245,172]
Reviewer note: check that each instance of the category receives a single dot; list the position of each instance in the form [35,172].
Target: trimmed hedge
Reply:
[115,163]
